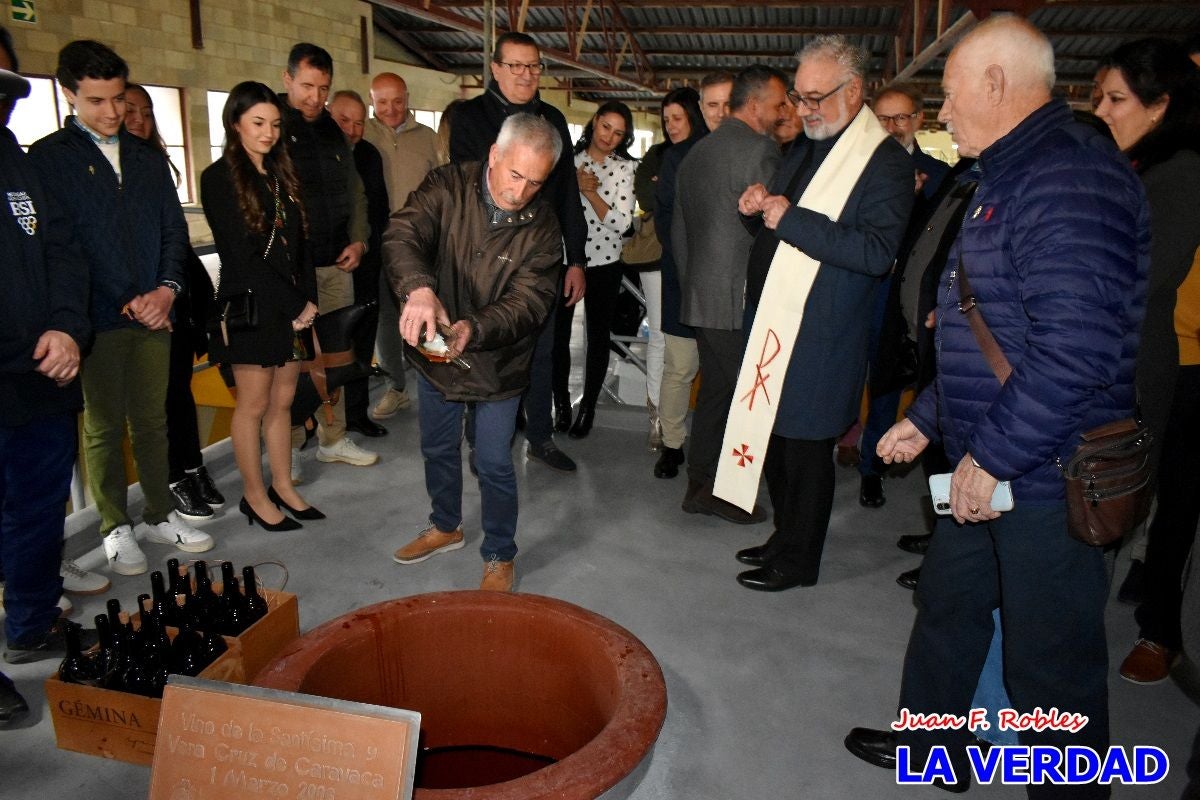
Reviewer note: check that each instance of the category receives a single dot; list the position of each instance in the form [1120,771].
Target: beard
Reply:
[817,128]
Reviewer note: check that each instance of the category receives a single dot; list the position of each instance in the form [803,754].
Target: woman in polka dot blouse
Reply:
[605,172]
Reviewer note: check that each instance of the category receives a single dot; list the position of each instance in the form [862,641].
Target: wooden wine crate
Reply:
[119,725]
[103,722]
[263,640]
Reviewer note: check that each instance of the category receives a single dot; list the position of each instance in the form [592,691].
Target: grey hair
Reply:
[531,131]
[852,58]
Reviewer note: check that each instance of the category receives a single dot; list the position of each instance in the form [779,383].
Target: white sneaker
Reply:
[346,451]
[297,467]
[393,400]
[124,555]
[78,580]
[177,532]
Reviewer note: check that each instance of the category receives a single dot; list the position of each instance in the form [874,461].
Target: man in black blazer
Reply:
[824,381]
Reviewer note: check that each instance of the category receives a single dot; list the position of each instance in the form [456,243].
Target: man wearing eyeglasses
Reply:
[898,108]
[828,226]
[516,71]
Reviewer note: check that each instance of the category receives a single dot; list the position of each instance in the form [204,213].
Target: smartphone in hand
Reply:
[939,493]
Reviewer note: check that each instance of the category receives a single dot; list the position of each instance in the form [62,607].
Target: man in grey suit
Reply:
[710,246]
[824,380]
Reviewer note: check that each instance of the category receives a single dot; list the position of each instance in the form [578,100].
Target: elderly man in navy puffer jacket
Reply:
[1056,247]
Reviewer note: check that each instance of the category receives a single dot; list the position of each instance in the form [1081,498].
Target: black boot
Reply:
[583,422]
[562,414]
[668,462]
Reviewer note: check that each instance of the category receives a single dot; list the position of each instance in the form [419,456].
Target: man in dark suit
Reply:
[350,113]
[709,244]
[898,107]
[824,380]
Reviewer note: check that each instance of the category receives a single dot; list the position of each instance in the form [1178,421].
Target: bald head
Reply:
[389,98]
[999,74]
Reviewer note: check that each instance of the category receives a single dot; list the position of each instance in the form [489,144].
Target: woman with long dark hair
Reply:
[193,490]
[1151,102]
[679,116]
[251,199]
[684,125]
[604,169]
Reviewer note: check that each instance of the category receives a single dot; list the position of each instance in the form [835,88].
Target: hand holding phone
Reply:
[939,492]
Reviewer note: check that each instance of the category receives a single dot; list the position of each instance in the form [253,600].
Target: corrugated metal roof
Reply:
[684,40]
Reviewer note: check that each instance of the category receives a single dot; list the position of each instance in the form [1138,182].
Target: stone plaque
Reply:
[221,740]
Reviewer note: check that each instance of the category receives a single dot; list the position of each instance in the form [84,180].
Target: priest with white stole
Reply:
[826,229]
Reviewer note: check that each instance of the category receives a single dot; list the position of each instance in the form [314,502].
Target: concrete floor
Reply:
[762,688]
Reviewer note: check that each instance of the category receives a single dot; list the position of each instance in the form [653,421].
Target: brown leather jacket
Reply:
[503,279]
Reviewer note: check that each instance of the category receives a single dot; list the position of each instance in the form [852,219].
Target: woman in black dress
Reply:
[250,198]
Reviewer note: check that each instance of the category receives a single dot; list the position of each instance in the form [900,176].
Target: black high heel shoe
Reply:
[299,513]
[583,422]
[285,524]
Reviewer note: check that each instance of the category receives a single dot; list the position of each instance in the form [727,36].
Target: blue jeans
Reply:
[990,692]
[35,483]
[441,435]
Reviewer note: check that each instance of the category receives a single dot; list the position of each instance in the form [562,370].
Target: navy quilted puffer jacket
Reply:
[1056,245]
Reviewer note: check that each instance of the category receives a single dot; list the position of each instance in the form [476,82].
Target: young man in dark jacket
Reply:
[516,69]
[44,306]
[335,209]
[476,254]
[119,196]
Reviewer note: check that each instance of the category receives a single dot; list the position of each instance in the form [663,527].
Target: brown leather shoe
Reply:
[1147,662]
[429,542]
[497,576]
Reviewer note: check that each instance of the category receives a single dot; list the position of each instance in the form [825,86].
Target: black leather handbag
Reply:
[239,312]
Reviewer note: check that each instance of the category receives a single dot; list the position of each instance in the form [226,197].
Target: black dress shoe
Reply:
[870,493]
[669,461]
[757,556]
[12,705]
[367,427]
[874,747]
[769,579]
[916,544]
[551,456]
[909,579]
[299,513]
[583,422]
[562,416]
[705,502]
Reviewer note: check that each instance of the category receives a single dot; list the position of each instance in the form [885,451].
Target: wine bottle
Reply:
[107,654]
[76,667]
[163,599]
[186,649]
[235,617]
[156,645]
[211,647]
[134,678]
[114,612]
[205,599]
[256,604]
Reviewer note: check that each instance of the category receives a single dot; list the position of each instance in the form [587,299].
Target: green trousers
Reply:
[125,384]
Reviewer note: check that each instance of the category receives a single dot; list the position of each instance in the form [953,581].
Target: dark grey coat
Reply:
[709,242]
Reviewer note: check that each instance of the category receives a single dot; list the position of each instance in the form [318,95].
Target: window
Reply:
[642,139]
[46,109]
[216,130]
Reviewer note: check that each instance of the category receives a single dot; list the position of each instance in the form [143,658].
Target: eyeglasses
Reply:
[896,119]
[517,68]
[814,103]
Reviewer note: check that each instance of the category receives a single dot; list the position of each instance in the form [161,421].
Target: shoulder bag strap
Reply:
[983,335]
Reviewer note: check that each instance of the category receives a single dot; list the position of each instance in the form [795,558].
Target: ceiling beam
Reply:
[951,35]
[426,11]
[695,3]
[410,43]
